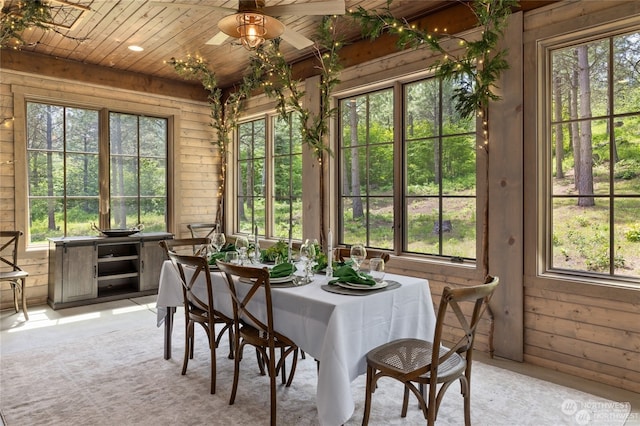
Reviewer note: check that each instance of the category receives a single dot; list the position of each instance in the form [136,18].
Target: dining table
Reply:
[332,324]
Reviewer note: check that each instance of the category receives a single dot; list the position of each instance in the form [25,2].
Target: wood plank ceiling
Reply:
[98,32]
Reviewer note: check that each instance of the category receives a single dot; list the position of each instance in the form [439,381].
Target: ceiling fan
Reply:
[253,22]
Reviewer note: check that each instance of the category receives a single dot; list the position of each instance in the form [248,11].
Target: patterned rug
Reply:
[121,378]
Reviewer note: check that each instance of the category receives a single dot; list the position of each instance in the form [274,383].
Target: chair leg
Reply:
[369,392]
[15,287]
[24,300]
[236,369]
[272,380]
[212,348]
[188,347]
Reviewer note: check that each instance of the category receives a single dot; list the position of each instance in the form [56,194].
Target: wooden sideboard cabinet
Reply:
[84,270]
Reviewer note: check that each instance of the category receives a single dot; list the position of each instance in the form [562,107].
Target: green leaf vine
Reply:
[225,112]
[280,85]
[477,68]
[18,16]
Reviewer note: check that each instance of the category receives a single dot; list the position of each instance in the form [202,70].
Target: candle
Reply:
[329,269]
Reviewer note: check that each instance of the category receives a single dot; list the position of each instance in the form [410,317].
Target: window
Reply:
[274,151]
[593,156]
[251,174]
[64,153]
[434,183]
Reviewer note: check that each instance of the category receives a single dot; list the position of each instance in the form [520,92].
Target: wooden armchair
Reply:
[253,329]
[431,363]
[199,307]
[9,269]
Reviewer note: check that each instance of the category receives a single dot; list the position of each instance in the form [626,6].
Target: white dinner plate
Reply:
[354,286]
[280,280]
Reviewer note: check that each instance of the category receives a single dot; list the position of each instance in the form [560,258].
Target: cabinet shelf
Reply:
[110,258]
[84,270]
[117,276]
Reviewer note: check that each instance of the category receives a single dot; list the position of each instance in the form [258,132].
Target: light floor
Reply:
[48,327]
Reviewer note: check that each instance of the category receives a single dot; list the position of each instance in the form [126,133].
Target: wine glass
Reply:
[358,254]
[376,269]
[242,245]
[307,255]
[218,240]
[231,257]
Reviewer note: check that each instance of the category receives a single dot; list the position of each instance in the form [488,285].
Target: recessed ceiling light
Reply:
[136,48]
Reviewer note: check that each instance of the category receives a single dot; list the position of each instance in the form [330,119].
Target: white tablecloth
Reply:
[338,330]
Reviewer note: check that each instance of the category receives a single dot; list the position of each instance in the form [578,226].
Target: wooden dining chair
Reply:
[252,328]
[344,254]
[202,230]
[200,309]
[431,363]
[197,246]
[10,271]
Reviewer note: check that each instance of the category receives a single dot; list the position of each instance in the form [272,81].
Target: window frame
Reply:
[398,86]
[23,94]
[544,125]
[233,225]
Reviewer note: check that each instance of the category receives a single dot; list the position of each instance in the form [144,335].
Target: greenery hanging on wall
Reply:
[224,111]
[476,69]
[277,80]
[18,16]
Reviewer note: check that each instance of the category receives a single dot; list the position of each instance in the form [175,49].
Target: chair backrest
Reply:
[451,300]
[192,269]
[344,253]
[202,230]
[244,312]
[9,249]
[197,246]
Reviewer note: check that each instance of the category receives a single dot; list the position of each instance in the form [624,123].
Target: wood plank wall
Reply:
[584,328]
[196,159]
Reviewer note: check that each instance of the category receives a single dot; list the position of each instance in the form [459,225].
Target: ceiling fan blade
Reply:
[192,6]
[218,39]
[328,7]
[296,39]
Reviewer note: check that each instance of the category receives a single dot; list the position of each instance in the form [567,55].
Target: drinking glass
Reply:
[231,257]
[307,255]
[242,245]
[218,240]
[358,254]
[376,269]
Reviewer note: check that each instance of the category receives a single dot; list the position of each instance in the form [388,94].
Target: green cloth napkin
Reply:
[282,270]
[220,255]
[346,274]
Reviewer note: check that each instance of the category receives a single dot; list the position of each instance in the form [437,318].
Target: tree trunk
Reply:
[358,211]
[51,203]
[117,174]
[558,128]
[574,131]
[585,181]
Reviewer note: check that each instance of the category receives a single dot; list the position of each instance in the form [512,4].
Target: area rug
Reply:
[121,378]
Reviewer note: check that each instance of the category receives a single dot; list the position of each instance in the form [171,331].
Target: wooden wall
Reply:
[578,326]
[196,159]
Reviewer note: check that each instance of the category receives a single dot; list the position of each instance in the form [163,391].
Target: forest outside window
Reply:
[437,171]
[269,146]
[65,161]
[594,156]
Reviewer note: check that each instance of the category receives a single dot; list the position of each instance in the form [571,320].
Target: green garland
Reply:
[19,16]
[480,64]
[277,82]
[224,112]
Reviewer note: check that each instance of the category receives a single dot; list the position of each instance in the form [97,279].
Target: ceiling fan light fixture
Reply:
[252,28]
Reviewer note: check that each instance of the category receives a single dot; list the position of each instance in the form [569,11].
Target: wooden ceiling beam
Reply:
[48,66]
